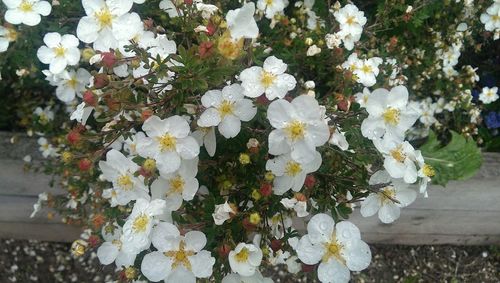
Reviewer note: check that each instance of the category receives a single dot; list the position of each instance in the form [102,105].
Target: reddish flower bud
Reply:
[310,181]
[266,189]
[146,114]
[84,164]
[206,49]
[276,245]
[247,225]
[224,250]
[73,137]
[94,241]
[89,98]
[108,59]
[188,2]
[211,29]
[101,80]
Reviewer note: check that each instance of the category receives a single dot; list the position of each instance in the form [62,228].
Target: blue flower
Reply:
[492,120]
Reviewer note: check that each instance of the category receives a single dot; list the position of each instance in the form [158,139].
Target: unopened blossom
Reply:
[107,23]
[399,158]
[313,50]
[367,71]
[26,12]
[7,35]
[111,250]
[222,213]
[171,9]
[388,113]
[289,173]
[207,10]
[489,95]
[59,51]
[241,23]
[299,128]
[245,259]
[137,228]
[120,171]
[352,63]
[168,142]
[337,248]
[178,258]
[272,7]
[270,79]
[226,109]
[384,201]
[177,186]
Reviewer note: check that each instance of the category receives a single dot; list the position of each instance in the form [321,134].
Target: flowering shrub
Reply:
[202,137]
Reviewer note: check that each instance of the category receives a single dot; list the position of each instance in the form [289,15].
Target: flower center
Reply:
[333,250]
[226,108]
[351,20]
[59,51]
[367,69]
[293,168]
[391,116]
[176,184]
[140,223]
[398,154]
[243,255]
[428,170]
[26,6]
[104,17]
[72,83]
[180,257]
[269,2]
[495,18]
[267,79]
[117,243]
[167,142]
[125,182]
[11,34]
[387,194]
[295,130]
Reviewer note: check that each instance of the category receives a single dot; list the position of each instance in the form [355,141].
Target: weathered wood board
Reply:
[463,213]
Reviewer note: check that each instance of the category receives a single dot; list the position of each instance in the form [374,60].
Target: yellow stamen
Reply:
[428,170]
[72,83]
[226,108]
[292,168]
[125,182]
[26,6]
[391,116]
[295,130]
[269,2]
[167,142]
[351,20]
[177,184]
[180,257]
[59,51]
[387,194]
[333,250]
[104,17]
[243,255]
[267,79]
[367,69]
[140,223]
[398,154]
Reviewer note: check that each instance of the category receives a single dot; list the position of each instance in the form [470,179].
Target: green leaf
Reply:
[458,160]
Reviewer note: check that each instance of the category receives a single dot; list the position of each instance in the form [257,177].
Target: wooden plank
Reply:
[39,231]
[17,209]
[14,180]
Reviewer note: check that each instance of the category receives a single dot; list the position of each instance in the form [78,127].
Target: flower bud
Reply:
[73,137]
[266,189]
[101,80]
[84,164]
[89,98]
[310,181]
[108,59]
[276,245]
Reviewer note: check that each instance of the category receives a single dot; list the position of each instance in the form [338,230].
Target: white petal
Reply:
[156,266]
[181,274]
[307,252]
[230,126]
[333,272]
[195,240]
[389,212]
[209,118]
[107,253]
[358,255]
[320,228]
[188,148]
[346,231]
[202,264]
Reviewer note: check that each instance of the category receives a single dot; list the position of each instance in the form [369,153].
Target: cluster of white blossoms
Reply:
[364,71]
[491,19]
[351,21]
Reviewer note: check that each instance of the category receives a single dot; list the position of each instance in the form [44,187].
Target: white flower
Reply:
[367,71]
[206,137]
[47,149]
[299,128]
[120,170]
[245,259]
[137,228]
[352,62]
[255,278]
[427,110]
[7,35]
[44,115]
[399,158]
[241,23]
[426,172]
[206,10]
[270,79]
[111,250]
[179,258]
[169,7]
[177,186]
[351,19]
[272,7]
[107,23]
[26,11]
[71,83]
[382,202]
[289,173]
[222,213]
[388,113]
[82,113]
[168,141]
[161,47]
[333,40]
[338,139]
[226,109]
[313,50]
[338,248]
[278,224]
[489,95]
[298,205]
[491,19]
[59,51]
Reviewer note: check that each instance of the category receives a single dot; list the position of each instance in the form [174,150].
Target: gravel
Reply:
[34,261]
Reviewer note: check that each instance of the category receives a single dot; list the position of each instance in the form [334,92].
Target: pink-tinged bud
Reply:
[90,98]
[310,181]
[108,59]
[100,81]
[84,164]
